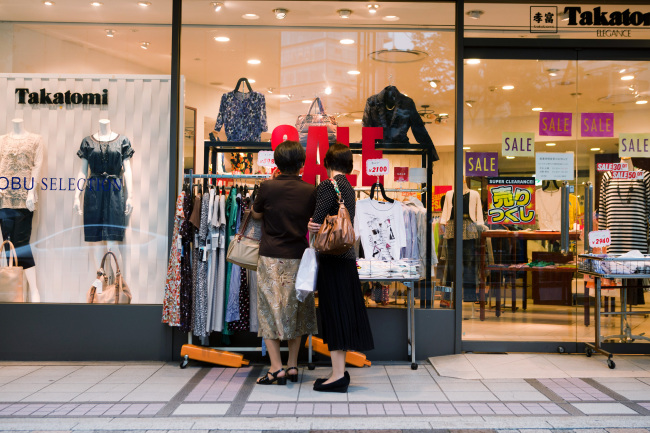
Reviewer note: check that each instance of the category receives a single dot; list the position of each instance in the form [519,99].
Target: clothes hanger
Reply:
[245,81]
[382,190]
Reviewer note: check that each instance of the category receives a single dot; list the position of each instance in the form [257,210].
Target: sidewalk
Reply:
[469,391]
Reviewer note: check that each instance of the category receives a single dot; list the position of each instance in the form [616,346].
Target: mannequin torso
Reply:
[105,133]
[18,129]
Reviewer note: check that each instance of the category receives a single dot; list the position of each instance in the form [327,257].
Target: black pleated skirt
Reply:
[343,315]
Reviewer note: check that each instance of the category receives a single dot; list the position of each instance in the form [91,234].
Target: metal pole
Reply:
[589,214]
[175,111]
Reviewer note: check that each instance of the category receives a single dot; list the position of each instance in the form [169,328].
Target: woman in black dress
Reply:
[343,314]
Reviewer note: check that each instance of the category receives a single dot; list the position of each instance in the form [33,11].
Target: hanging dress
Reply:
[172,299]
[186,233]
[201,287]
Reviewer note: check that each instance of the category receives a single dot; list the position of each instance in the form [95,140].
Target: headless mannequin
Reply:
[18,131]
[628,160]
[105,134]
[389,97]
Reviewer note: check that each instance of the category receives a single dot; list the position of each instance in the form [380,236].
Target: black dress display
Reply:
[396,113]
[104,196]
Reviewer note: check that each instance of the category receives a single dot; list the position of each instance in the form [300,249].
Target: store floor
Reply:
[467,391]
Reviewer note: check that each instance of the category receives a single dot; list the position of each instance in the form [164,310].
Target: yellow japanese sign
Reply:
[511,200]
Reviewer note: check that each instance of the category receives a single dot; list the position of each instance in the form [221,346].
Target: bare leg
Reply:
[338,365]
[294,348]
[273,346]
[30,276]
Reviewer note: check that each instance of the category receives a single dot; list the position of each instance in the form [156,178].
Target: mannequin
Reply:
[111,143]
[17,212]
[628,160]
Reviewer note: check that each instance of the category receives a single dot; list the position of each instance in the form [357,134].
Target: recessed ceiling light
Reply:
[627,77]
[475,14]
[641,102]
[110,33]
[510,157]
[144,4]
[344,13]
[48,3]
[328,90]
[144,45]
[537,108]
[354,72]
[372,8]
[508,87]
[595,149]
[307,101]
[217,6]
[96,4]
[550,144]
[270,89]
[443,115]
[469,102]
[221,38]
[358,120]
[250,16]
[622,71]
[347,41]
[473,61]
[390,18]
[434,83]
[280,13]
[466,148]
[254,62]
[252,81]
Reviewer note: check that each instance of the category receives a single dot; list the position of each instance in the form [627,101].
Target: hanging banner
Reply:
[438,193]
[597,124]
[634,145]
[518,144]
[511,200]
[481,164]
[554,166]
[555,124]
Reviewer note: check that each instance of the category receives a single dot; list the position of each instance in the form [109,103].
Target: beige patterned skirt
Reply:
[281,315]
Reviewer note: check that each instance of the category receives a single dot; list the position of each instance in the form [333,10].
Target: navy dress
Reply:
[104,196]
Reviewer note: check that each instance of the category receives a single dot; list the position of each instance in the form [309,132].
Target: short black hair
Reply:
[339,158]
[289,157]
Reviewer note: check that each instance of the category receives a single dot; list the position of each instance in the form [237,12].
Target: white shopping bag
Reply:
[307,273]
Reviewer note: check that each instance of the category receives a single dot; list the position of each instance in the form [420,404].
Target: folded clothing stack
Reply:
[389,270]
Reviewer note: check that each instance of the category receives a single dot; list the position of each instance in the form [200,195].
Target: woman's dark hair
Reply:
[339,158]
[289,157]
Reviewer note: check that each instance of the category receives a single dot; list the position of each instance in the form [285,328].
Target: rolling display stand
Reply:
[614,267]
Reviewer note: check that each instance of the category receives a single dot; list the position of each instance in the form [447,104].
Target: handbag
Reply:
[307,273]
[116,293]
[304,121]
[336,234]
[244,249]
[11,277]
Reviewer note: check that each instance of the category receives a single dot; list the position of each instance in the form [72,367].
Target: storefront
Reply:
[120,100]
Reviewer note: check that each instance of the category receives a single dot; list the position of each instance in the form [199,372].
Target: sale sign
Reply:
[600,238]
[611,166]
[555,124]
[438,193]
[377,167]
[511,200]
[627,174]
[401,174]
[634,145]
[518,144]
[597,124]
[265,159]
[481,164]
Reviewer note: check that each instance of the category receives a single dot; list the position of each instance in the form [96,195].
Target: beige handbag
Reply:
[336,234]
[244,249]
[117,293]
[11,277]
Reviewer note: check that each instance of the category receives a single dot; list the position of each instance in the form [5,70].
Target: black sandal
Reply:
[292,377]
[266,381]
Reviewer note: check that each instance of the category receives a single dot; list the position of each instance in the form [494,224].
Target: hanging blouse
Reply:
[243,115]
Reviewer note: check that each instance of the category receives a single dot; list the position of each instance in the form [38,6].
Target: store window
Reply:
[334,55]
[84,150]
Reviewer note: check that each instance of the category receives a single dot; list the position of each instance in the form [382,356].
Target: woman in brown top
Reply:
[285,203]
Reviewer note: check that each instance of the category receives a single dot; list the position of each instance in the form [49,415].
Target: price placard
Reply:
[600,238]
[627,174]
[611,166]
[401,174]
[377,167]
[265,159]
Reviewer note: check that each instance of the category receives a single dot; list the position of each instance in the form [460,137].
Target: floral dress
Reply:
[172,300]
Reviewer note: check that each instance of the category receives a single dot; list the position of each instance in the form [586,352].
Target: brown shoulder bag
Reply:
[336,234]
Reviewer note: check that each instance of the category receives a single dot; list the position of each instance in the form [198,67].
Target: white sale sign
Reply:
[265,159]
[377,167]
[600,238]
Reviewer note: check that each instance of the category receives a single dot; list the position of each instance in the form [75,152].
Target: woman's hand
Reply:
[313,227]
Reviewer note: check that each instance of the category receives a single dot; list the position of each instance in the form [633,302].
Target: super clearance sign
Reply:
[318,144]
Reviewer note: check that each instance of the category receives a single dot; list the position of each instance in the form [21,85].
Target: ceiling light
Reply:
[217,6]
[250,16]
[144,4]
[250,80]
[96,4]
[434,83]
[473,61]
[254,62]
[373,8]
[466,148]
[550,144]
[110,33]
[221,38]
[270,89]
[595,149]
[328,90]
[469,102]
[510,157]
[537,108]
[390,18]
[508,87]
[48,3]
[280,13]
[443,115]
[627,77]
[552,72]
[475,14]
[622,71]
[344,13]
[641,102]
[354,72]
[358,120]
[144,45]
[307,101]
[347,41]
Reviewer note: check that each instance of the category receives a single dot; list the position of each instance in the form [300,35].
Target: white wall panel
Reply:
[139,108]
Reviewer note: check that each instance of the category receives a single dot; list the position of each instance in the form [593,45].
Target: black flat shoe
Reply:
[266,381]
[293,377]
[340,385]
[320,380]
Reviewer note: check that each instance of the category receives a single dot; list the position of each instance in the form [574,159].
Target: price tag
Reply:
[600,238]
[377,167]
[99,286]
[611,166]
[401,174]
[265,159]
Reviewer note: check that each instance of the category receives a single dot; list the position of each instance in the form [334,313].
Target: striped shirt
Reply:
[624,209]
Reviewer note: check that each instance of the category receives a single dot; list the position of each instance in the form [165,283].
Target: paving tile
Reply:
[28,410]
[116,409]
[286,408]
[393,409]
[251,409]
[322,409]
[206,409]
[520,395]
[304,408]
[275,393]
[411,409]
[428,409]
[499,409]
[375,409]
[421,396]
[464,409]
[446,409]
[604,409]
[340,409]
[482,409]
[268,409]
[51,396]
[152,409]
[357,409]
[470,396]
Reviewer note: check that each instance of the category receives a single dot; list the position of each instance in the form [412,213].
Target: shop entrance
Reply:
[536,127]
